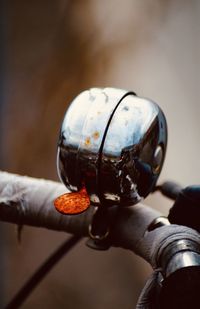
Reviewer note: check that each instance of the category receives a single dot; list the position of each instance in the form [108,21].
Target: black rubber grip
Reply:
[181,289]
[170,189]
[186,209]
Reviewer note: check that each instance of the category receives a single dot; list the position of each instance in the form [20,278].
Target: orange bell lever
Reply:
[72,203]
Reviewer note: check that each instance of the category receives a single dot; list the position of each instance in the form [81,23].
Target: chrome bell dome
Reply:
[113,143]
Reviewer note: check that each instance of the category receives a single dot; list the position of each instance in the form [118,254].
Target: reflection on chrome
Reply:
[114,143]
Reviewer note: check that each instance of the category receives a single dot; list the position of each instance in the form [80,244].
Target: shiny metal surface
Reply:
[157,222]
[114,143]
[182,260]
[179,254]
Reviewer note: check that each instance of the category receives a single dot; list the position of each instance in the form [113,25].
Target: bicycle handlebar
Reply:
[29,201]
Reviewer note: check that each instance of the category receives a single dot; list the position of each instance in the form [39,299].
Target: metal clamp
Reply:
[99,230]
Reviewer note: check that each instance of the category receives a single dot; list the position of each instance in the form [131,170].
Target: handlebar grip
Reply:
[25,200]
[29,201]
[181,289]
[186,209]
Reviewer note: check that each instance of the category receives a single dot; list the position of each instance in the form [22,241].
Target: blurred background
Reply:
[50,52]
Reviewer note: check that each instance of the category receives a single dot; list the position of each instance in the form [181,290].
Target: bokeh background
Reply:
[50,52]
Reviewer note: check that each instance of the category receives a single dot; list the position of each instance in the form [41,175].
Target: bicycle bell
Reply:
[113,143]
